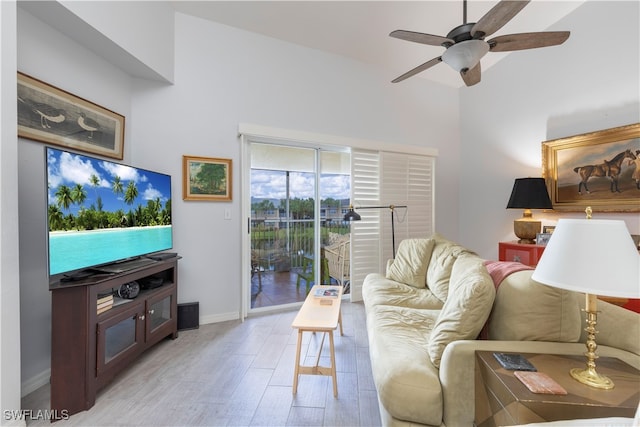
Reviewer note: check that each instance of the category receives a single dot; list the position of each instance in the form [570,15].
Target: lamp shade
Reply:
[529,193]
[352,215]
[466,54]
[591,256]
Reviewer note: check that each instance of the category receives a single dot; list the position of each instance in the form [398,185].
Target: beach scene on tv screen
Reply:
[100,211]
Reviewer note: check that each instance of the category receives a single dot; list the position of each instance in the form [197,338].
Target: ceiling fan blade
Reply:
[418,69]
[423,38]
[471,76]
[522,41]
[497,17]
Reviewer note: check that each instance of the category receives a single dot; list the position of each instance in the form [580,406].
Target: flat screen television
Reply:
[100,212]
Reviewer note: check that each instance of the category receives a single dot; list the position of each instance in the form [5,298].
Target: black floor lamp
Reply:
[352,215]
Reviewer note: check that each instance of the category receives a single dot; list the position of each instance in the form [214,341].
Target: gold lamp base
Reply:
[589,376]
[592,378]
[527,228]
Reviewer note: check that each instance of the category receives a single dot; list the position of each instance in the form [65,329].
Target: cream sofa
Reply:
[424,317]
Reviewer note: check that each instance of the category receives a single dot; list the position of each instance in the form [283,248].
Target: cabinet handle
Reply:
[141,317]
[151,311]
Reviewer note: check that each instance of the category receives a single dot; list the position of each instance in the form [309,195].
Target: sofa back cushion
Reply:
[526,310]
[411,261]
[471,296]
[443,256]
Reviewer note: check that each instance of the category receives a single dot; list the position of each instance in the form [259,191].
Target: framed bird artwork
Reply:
[51,115]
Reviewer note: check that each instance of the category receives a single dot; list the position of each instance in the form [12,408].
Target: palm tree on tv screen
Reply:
[64,197]
[78,195]
[131,193]
[94,181]
[117,187]
[56,219]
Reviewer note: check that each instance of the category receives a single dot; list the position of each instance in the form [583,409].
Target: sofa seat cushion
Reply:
[408,384]
[471,296]
[378,290]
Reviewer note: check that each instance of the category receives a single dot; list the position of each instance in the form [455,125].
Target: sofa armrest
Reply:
[457,370]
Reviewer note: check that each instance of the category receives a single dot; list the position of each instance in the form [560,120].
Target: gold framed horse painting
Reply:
[598,169]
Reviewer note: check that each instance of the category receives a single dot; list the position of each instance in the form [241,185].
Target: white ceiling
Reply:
[360,29]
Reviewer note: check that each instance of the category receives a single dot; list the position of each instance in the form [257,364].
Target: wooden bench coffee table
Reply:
[318,315]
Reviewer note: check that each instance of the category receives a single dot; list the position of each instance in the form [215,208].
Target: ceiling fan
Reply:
[465,44]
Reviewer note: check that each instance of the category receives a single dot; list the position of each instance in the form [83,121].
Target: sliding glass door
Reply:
[298,196]
[346,171]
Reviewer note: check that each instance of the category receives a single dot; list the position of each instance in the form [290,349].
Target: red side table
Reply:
[525,253]
[529,254]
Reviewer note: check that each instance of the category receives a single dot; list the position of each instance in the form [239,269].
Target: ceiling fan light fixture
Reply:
[466,54]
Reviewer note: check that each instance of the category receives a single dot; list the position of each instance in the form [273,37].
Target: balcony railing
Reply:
[281,244]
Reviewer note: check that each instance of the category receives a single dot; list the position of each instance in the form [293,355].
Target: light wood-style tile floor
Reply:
[237,374]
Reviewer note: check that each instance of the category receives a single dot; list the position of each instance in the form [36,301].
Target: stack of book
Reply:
[105,302]
[326,292]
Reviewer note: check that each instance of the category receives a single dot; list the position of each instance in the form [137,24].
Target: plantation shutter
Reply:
[381,179]
[365,234]
[407,180]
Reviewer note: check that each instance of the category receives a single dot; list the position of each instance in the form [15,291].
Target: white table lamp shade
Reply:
[591,256]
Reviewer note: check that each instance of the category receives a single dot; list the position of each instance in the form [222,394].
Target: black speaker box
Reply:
[151,282]
[188,315]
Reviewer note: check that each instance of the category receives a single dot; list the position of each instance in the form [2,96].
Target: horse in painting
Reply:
[609,168]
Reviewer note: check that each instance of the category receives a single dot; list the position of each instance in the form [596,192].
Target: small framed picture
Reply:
[542,238]
[206,178]
[548,229]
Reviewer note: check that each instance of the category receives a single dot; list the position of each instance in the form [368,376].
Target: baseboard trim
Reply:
[217,318]
[35,382]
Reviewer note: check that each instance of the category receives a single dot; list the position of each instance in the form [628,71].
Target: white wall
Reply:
[49,55]
[144,29]
[135,35]
[9,273]
[239,77]
[587,84]
[153,41]
[243,77]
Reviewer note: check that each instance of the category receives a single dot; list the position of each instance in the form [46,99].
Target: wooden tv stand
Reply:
[89,349]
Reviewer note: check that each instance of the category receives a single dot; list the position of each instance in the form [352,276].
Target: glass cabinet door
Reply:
[120,337]
[160,315]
